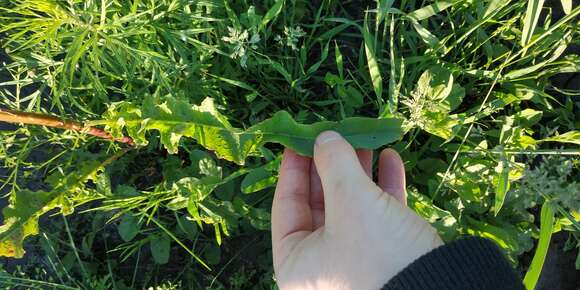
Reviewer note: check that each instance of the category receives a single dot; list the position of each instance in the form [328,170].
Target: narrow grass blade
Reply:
[430,10]
[567,6]
[531,20]
[493,6]
[372,62]
[546,227]
[502,185]
[271,14]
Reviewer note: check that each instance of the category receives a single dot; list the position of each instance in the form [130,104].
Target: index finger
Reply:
[291,208]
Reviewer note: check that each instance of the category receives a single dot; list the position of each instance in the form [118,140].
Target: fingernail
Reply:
[326,137]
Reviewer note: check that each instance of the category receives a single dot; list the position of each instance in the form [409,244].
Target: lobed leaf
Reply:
[174,119]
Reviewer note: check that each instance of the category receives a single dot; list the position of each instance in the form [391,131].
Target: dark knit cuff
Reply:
[469,263]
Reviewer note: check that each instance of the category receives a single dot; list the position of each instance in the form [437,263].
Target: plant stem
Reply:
[18,117]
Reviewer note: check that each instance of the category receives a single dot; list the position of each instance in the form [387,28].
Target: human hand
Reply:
[334,228]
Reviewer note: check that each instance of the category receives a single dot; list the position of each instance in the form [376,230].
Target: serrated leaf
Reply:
[21,221]
[175,119]
[160,248]
[21,217]
[129,227]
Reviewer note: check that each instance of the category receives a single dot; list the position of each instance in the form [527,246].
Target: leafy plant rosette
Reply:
[171,115]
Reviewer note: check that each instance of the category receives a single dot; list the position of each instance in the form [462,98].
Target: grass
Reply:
[175,113]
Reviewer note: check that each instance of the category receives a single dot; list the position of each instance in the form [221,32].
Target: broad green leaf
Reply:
[546,226]
[271,14]
[160,248]
[372,62]
[531,20]
[502,183]
[430,10]
[351,96]
[129,227]
[175,119]
[568,137]
[363,133]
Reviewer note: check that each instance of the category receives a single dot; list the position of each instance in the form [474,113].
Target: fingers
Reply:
[366,161]
[342,176]
[316,198]
[392,175]
[291,208]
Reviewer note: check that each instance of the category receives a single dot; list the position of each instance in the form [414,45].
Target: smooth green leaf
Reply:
[502,184]
[258,179]
[546,226]
[129,227]
[271,14]
[425,34]
[160,248]
[363,133]
[372,62]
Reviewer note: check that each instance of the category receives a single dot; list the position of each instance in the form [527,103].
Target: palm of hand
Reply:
[333,228]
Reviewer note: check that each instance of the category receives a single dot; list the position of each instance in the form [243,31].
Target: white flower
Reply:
[241,44]
[291,37]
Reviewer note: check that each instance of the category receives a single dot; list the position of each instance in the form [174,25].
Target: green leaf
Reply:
[21,217]
[351,96]
[568,137]
[128,227]
[567,6]
[21,221]
[425,34]
[175,119]
[258,179]
[430,10]
[372,62]
[531,20]
[363,133]
[160,248]
[339,61]
[271,14]
[546,226]
[502,184]
[494,5]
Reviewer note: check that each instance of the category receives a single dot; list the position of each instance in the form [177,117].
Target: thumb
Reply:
[344,181]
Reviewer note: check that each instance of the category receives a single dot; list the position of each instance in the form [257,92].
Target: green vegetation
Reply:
[146,135]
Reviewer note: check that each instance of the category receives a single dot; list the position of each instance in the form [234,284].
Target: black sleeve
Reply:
[469,263]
